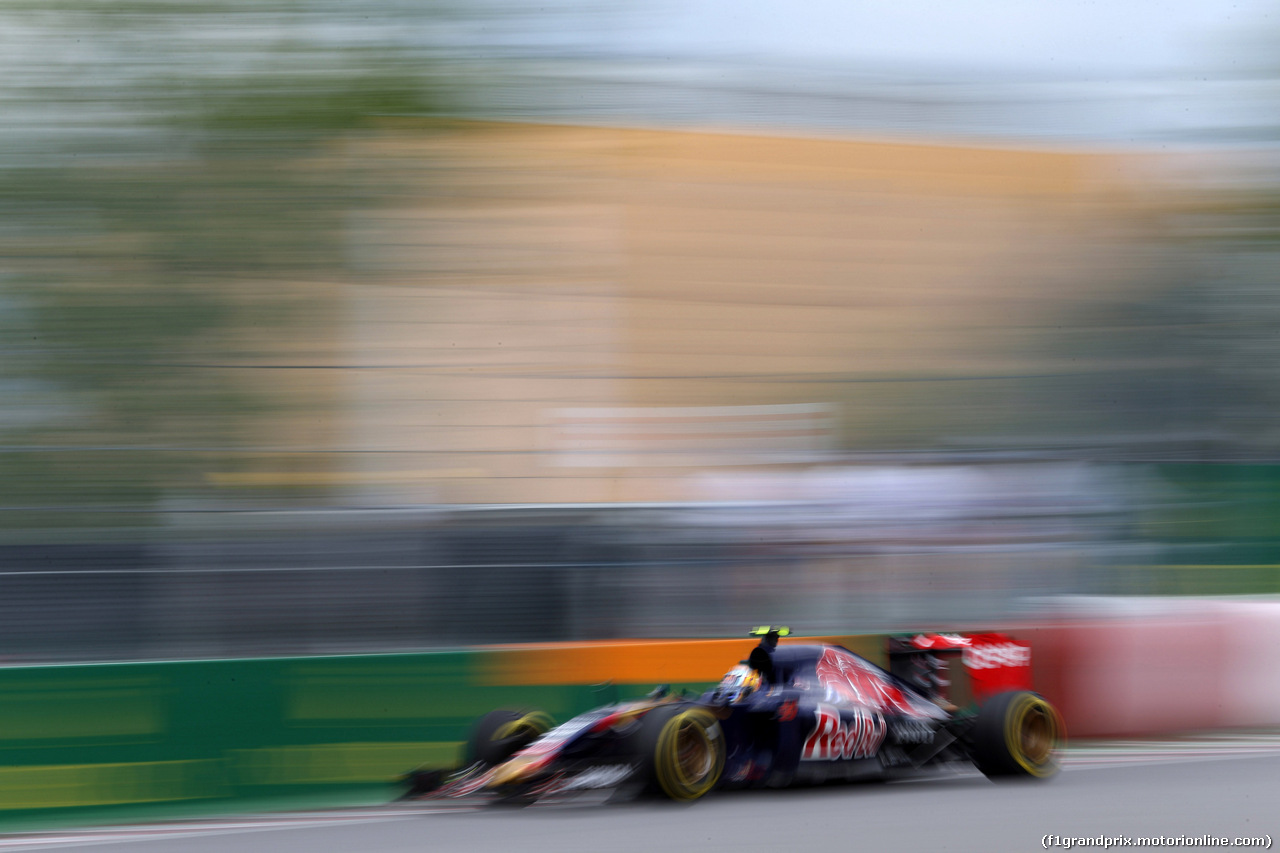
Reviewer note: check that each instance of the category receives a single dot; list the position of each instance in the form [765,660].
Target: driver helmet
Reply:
[738,683]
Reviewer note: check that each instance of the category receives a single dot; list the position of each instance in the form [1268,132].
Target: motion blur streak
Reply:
[335,327]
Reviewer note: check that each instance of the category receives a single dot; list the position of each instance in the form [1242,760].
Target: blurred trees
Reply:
[170,169]
[173,183]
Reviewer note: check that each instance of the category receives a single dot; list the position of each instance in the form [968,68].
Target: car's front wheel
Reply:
[683,751]
[498,735]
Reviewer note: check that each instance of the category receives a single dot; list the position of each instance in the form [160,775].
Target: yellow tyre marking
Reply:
[538,723]
[689,739]
[1042,738]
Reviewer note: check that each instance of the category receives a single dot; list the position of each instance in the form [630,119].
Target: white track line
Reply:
[1089,758]
[155,832]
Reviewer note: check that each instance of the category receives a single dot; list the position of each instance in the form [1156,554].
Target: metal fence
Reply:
[259,583]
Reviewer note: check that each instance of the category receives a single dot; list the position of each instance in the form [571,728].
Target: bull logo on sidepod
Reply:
[847,679]
[833,738]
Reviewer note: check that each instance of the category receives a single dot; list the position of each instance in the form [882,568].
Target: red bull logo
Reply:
[997,655]
[849,679]
[833,738]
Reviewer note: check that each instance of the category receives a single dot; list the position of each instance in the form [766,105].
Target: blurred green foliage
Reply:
[1220,530]
[176,162]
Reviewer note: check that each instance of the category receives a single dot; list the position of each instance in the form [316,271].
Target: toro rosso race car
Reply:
[788,715]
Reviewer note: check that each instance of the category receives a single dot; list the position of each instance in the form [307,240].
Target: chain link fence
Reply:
[231,582]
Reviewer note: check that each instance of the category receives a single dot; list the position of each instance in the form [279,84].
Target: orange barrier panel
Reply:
[638,661]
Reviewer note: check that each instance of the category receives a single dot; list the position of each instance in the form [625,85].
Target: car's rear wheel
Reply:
[498,735]
[683,750]
[1018,734]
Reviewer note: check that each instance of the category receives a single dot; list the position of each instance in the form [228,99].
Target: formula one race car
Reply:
[788,715]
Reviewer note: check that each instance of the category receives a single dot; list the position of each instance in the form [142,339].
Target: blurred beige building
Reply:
[580,314]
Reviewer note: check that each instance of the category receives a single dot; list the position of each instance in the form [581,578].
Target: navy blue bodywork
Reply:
[821,713]
[784,733]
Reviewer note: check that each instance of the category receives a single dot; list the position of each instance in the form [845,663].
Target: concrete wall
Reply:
[538,294]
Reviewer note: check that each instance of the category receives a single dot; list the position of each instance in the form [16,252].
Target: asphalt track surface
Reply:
[1225,787]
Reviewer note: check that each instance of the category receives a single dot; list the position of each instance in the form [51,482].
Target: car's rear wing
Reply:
[961,670]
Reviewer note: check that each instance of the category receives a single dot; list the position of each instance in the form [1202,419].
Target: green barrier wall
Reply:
[193,733]
[77,737]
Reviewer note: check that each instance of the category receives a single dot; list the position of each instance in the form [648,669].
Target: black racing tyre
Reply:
[500,734]
[682,751]
[1017,734]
